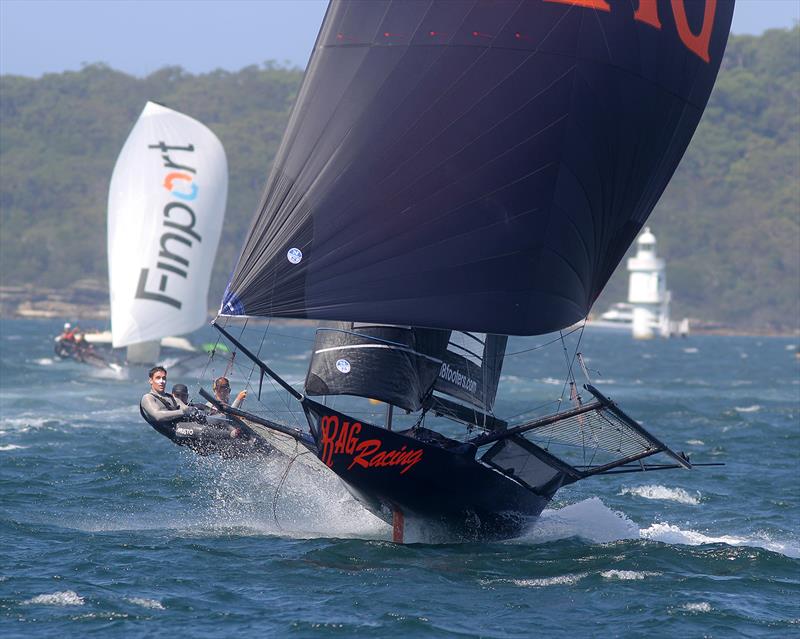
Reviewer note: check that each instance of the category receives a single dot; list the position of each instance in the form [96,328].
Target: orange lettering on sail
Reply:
[171,177]
[648,13]
[696,43]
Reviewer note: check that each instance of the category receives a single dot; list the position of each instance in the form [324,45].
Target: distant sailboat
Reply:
[166,206]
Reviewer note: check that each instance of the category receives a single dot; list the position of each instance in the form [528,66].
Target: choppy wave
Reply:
[153,604]
[543,582]
[698,606]
[695,442]
[662,493]
[671,534]
[539,582]
[114,371]
[589,519]
[551,381]
[300,501]
[593,521]
[747,409]
[24,423]
[61,598]
[11,447]
[628,575]
[265,496]
[44,361]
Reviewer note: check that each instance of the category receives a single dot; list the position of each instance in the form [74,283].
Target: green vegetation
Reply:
[729,222]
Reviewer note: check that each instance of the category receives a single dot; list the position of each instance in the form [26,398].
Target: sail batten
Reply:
[477,166]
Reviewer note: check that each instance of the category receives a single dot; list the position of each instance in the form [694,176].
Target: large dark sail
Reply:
[475,165]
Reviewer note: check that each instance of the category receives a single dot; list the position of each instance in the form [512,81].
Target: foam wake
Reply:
[272,496]
[671,534]
[754,408]
[662,493]
[593,521]
[62,598]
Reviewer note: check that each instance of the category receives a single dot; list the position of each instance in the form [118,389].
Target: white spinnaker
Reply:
[166,205]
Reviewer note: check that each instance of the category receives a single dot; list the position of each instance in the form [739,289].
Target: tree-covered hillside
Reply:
[59,139]
[729,223]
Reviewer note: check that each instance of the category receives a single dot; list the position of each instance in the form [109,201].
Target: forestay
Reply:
[165,210]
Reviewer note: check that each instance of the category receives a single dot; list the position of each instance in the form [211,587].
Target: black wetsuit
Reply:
[169,418]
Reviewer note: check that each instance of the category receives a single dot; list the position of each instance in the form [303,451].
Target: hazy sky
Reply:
[141,36]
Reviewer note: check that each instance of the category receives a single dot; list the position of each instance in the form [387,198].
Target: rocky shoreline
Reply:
[88,300]
[84,300]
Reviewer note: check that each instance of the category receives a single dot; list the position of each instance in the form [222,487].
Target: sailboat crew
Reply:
[159,408]
[222,392]
[68,334]
[184,424]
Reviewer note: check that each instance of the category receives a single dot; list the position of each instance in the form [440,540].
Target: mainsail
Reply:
[393,364]
[405,365]
[478,166]
[166,205]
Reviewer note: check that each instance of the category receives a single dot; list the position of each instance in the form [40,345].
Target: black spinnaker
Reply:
[475,165]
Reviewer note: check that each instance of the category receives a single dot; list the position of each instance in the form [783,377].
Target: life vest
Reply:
[165,428]
[203,439]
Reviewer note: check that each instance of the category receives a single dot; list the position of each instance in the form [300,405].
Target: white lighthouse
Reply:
[647,289]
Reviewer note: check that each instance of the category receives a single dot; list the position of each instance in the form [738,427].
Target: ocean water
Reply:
[106,528]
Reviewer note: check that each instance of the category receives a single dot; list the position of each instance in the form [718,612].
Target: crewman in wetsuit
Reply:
[160,409]
[182,423]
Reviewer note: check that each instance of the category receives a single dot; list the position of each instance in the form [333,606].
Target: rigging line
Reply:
[286,403]
[553,341]
[287,336]
[566,381]
[531,410]
[280,485]
[584,369]
[570,376]
[574,388]
[570,361]
[263,337]
[231,360]
[211,356]
[258,354]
